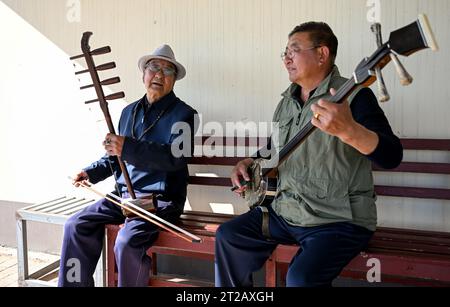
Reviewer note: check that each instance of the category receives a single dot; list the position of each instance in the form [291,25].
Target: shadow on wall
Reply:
[41,237]
[46,130]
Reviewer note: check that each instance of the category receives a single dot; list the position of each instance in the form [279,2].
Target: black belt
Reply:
[265,222]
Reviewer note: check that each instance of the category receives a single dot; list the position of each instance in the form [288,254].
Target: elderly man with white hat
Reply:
[144,143]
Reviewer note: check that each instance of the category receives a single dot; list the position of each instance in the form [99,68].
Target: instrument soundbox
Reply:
[410,39]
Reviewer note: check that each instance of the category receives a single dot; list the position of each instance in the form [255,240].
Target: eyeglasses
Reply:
[291,53]
[155,68]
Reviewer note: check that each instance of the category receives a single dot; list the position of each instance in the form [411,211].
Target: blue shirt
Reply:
[148,156]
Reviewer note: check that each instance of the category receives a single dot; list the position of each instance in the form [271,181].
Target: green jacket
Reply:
[324,180]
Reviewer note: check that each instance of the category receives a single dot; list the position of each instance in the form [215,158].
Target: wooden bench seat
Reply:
[202,224]
[420,258]
[407,256]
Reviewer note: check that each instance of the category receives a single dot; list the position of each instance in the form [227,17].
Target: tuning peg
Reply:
[98,51]
[405,77]
[106,66]
[91,101]
[115,96]
[109,97]
[376,29]
[383,95]
[104,82]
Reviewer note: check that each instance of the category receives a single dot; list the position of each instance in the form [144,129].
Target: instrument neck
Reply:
[341,95]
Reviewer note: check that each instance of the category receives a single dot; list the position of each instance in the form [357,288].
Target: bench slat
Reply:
[220,161]
[408,144]
[413,192]
[232,141]
[207,214]
[210,181]
[412,239]
[428,249]
[415,232]
[417,167]
[205,219]
[426,144]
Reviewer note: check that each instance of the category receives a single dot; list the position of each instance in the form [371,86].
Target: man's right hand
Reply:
[80,177]
[239,172]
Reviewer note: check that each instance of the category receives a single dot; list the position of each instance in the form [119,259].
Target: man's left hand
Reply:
[113,144]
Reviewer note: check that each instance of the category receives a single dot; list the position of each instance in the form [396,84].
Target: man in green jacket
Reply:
[325,200]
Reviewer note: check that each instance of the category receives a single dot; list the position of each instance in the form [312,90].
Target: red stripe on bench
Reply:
[409,144]
[417,167]
[220,161]
[231,141]
[426,144]
[210,181]
[411,192]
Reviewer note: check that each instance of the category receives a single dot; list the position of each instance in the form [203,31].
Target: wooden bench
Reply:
[406,256]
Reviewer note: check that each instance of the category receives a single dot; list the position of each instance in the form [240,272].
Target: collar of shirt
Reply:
[159,105]
[322,89]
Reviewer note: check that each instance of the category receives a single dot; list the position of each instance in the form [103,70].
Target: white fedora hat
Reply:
[164,53]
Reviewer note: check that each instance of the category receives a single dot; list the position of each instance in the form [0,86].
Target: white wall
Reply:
[231,51]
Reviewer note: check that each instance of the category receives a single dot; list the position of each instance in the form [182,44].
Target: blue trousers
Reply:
[324,251]
[83,240]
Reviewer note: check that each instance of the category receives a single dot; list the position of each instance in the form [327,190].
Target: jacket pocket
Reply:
[282,137]
[326,198]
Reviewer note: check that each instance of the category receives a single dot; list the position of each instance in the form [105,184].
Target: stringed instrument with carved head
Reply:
[405,41]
